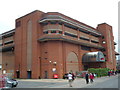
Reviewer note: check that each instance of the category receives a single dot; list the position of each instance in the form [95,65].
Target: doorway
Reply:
[18,74]
[29,74]
[46,74]
[72,64]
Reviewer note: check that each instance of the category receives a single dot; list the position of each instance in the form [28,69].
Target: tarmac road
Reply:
[111,82]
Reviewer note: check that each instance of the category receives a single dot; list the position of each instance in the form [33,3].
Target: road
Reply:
[103,82]
[112,82]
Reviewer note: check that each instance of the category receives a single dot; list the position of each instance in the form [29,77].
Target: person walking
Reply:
[70,79]
[87,78]
[91,77]
[109,73]
[73,76]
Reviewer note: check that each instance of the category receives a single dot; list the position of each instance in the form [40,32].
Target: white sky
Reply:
[90,12]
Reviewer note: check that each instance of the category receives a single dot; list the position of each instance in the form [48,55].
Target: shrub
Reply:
[99,71]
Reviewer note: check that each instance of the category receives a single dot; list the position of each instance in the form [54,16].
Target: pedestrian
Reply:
[73,76]
[113,72]
[91,76]
[116,72]
[87,78]
[70,79]
[109,73]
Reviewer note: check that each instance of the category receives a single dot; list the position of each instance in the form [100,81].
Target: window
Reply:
[60,23]
[44,23]
[46,32]
[53,31]
[70,26]
[94,41]
[94,35]
[103,37]
[85,48]
[68,34]
[8,42]
[103,50]
[8,35]
[53,22]
[60,32]
[84,31]
[84,38]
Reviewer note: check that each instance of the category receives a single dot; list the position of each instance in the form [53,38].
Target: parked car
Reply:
[11,82]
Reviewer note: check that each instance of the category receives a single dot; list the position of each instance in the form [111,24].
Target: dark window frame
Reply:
[53,31]
[45,32]
[71,35]
[60,32]
[8,42]
[81,30]
[82,38]
[94,41]
[70,26]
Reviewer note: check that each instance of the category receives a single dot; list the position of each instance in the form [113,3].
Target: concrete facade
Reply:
[51,43]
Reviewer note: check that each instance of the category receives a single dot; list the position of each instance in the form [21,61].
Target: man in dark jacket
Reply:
[87,78]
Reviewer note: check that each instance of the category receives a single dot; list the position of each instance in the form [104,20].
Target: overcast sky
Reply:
[91,12]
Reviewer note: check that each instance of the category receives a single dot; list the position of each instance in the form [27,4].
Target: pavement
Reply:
[81,83]
[43,80]
[77,83]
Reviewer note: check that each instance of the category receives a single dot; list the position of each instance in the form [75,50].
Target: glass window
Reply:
[8,42]
[94,41]
[84,31]
[84,38]
[68,34]
[53,22]
[46,32]
[70,26]
[60,32]
[53,31]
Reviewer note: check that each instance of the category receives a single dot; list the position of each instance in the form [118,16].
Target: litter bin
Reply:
[55,76]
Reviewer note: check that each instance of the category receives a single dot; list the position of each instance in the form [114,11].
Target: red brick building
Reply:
[44,44]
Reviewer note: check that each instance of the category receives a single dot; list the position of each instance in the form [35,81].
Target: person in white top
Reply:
[70,79]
